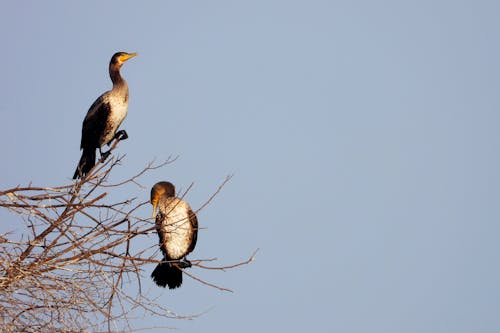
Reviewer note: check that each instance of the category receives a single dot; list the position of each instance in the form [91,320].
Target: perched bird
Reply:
[104,117]
[177,228]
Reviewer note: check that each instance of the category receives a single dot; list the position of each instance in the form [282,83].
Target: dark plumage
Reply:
[104,117]
[177,228]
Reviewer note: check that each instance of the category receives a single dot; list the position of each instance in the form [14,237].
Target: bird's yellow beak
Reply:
[128,56]
[155,203]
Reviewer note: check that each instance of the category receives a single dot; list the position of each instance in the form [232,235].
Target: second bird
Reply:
[177,228]
[104,117]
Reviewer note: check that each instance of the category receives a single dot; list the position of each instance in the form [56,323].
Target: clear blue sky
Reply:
[363,137]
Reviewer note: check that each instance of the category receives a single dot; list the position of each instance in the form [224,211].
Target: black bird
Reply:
[177,228]
[104,117]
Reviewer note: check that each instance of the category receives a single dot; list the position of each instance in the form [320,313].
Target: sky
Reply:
[362,138]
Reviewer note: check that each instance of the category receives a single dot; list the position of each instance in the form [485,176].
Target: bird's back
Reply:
[95,123]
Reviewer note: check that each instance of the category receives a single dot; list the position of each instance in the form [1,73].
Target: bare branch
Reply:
[77,265]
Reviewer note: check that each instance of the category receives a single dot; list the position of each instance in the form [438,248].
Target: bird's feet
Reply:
[121,135]
[184,263]
[104,156]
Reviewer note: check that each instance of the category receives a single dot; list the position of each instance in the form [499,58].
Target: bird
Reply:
[104,117]
[177,228]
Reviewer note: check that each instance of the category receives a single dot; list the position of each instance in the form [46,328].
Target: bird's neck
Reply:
[119,84]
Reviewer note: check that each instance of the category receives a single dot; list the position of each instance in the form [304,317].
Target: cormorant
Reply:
[177,228]
[104,117]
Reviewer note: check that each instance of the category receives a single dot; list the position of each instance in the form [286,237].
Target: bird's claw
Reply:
[184,263]
[121,135]
[104,156]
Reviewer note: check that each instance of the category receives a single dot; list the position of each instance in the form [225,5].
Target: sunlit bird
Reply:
[177,228]
[104,117]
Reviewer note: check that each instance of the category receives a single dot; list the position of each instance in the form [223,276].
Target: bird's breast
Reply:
[119,108]
[118,111]
[176,228]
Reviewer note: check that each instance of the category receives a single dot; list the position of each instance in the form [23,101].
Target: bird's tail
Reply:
[87,162]
[167,274]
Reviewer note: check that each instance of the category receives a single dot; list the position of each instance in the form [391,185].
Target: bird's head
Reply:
[119,58]
[161,189]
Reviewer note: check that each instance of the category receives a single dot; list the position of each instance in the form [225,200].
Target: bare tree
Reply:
[66,270]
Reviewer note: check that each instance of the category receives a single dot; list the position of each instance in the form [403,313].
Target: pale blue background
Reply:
[363,137]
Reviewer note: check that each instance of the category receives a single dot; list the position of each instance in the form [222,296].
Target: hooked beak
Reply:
[154,209]
[154,202]
[128,56]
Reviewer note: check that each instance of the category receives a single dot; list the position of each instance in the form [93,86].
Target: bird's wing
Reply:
[95,123]
[194,224]
[160,219]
